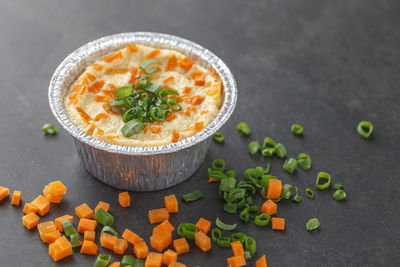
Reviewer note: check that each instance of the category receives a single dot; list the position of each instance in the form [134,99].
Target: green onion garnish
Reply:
[69,229]
[290,165]
[109,229]
[244,128]
[312,224]
[218,137]
[287,191]
[145,66]
[254,147]
[102,260]
[124,91]
[74,240]
[187,230]
[215,231]
[197,194]
[224,226]
[217,238]
[218,165]
[268,148]
[297,129]
[280,150]
[230,208]
[247,255]
[238,237]
[251,245]
[304,161]
[310,193]
[103,217]
[297,197]
[323,180]
[365,129]
[339,195]
[128,260]
[224,242]
[132,127]
[49,129]
[262,219]
[244,214]
[337,186]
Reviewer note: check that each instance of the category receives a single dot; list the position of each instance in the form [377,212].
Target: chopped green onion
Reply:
[224,226]
[124,91]
[310,193]
[268,148]
[304,161]
[247,255]
[268,169]
[197,194]
[230,173]
[297,129]
[225,186]
[254,147]
[247,186]
[339,195]
[69,229]
[217,175]
[323,180]
[312,224]
[238,237]
[157,114]
[365,129]
[187,230]
[224,242]
[297,197]
[103,217]
[249,200]
[230,208]
[286,191]
[337,186]
[244,128]
[74,240]
[102,260]
[290,165]
[215,231]
[49,129]
[280,150]
[237,196]
[262,219]
[142,82]
[132,127]
[218,137]
[218,165]
[251,245]
[253,209]
[109,229]
[244,215]
[128,260]
[145,66]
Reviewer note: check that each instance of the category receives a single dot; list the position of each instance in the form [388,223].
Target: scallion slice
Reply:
[109,229]
[310,193]
[312,224]
[250,245]
[218,165]
[297,197]
[74,240]
[238,237]
[268,148]
[287,191]
[337,186]
[124,91]
[365,129]
[218,137]
[145,66]
[290,165]
[187,230]
[103,217]
[230,208]
[247,255]
[69,229]
[297,129]
[195,195]
[253,147]
[323,180]
[132,127]
[262,219]
[224,226]
[280,150]
[304,161]
[339,195]
[102,260]
[49,129]
[244,128]
[128,260]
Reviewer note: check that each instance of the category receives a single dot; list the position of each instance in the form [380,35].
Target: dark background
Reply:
[324,64]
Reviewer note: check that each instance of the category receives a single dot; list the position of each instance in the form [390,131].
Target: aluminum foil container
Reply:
[140,168]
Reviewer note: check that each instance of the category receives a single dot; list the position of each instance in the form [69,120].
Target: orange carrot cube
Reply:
[124,199]
[237,248]
[42,204]
[58,221]
[89,235]
[16,198]
[30,220]
[171,204]
[236,261]
[202,241]
[169,256]
[181,246]
[269,207]
[120,246]
[102,205]
[89,248]
[84,211]
[141,250]
[86,225]
[158,215]
[261,262]
[29,207]
[203,225]
[278,223]
[4,192]
[154,259]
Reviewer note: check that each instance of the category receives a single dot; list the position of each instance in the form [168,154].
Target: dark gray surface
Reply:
[324,64]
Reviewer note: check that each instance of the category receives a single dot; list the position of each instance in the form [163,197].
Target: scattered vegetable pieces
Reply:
[244,128]
[323,180]
[312,224]
[297,129]
[218,137]
[124,199]
[365,129]
[171,203]
[195,195]
[30,220]
[224,226]
[49,129]
[278,223]
[339,195]
[16,198]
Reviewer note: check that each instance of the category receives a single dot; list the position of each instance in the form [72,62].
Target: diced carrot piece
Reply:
[211,180]
[84,211]
[124,199]
[29,207]
[91,77]
[134,74]
[101,116]
[120,246]
[154,259]
[195,100]
[116,71]
[132,48]
[202,241]
[89,248]
[30,220]
[42,204]
[278,223]
[198,78]
[96,87]
[91,129]
[175,137]
[58,221]
[46,228]
[152,54]
[187,90]
[115,264]
[171,63]
[16,198]
[89,235]
[49,238]
[131,237]
[99,131]
[164,227]
[102,205]
[86,225]
[269,207]
[160,241]
[141,250]
[108,241]
[97,67]
[112,57]
[236,261]
[169,256]
[181,246]
[185,63]
[60,249]
[176,264]
[101,98]
[86,118]
[158,215]
[261,262]
[237,248]
[274,189]
[171,204]
[155,129]
[112,137]
[203,225]
[171,116]
[50,197]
